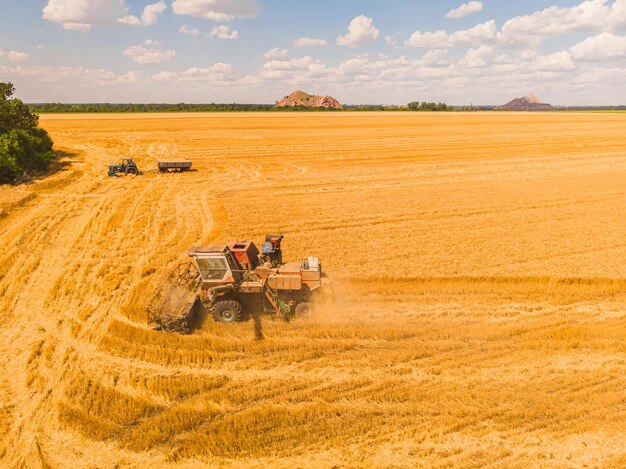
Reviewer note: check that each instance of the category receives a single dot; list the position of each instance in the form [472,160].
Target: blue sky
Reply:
[360,51]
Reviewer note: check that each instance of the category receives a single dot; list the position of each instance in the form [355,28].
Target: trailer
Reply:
[180,165]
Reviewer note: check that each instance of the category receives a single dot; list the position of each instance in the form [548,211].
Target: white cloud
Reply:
[309,42]
[428,40]
[15,56]
[483,33]
[149,16]
[602,47]
[84,76]
[224,32]
[465,9]
[129,20]
[478,57]
[482,75]
[557,62]
[293,70]
[165,76]
[300,63]
[218,32]
[530,30]
[81,15]
[151,12]
[218,71]
[276,54]
[435,57]
[184,29]
[217,10]
[361,30]
[392,40]
[149,53]
[215,74]
[589,15]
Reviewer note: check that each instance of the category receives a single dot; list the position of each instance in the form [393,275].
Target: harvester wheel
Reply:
[132,170]
[227,311]
[303,308]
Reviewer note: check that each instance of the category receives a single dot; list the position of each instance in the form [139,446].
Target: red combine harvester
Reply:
[233,281]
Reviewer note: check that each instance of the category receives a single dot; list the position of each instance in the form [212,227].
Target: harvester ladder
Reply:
[272,296]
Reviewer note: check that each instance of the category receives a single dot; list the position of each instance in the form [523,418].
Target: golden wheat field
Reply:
[479,268]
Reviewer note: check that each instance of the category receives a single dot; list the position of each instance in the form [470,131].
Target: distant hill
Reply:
[527,103]
[300,98]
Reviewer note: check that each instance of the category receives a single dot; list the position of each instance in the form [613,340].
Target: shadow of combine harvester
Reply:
[235,282]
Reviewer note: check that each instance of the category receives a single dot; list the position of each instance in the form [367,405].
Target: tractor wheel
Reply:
[227,311]
[132,170]
[304,308]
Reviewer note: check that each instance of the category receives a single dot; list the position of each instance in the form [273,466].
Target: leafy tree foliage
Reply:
[424,106]
[24,146]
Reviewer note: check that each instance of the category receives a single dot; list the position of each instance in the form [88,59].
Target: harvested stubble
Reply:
[479,265]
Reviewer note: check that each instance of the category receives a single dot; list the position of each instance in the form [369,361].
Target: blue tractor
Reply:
[128,166]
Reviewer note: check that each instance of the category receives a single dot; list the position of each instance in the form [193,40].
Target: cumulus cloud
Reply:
[478,57]
[309,42]
[217,10]
[15,56]
[224,32]
[149,52]
[81,15]
[75,75]
[530,30]
[557,62]
[428,40]
[361,30]
[602,47]
[482,33]
[476,75]
[219,71]
[465,10]
[293,70]
[184,29]
[148,17]
[218,32]
[151,12]
[276,54]
[589,15]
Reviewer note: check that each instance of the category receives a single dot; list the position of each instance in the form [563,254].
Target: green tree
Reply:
[426,106]
[414,105]
[24,146]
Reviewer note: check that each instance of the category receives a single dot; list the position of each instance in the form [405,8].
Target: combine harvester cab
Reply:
[234,281]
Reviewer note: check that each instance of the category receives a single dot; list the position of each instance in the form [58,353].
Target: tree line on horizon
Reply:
[413,106]
[229,107]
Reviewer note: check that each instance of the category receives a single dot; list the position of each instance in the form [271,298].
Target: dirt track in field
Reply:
[479,262]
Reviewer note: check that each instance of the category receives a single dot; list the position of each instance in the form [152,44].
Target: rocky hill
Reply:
[527,103]
[300,98]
